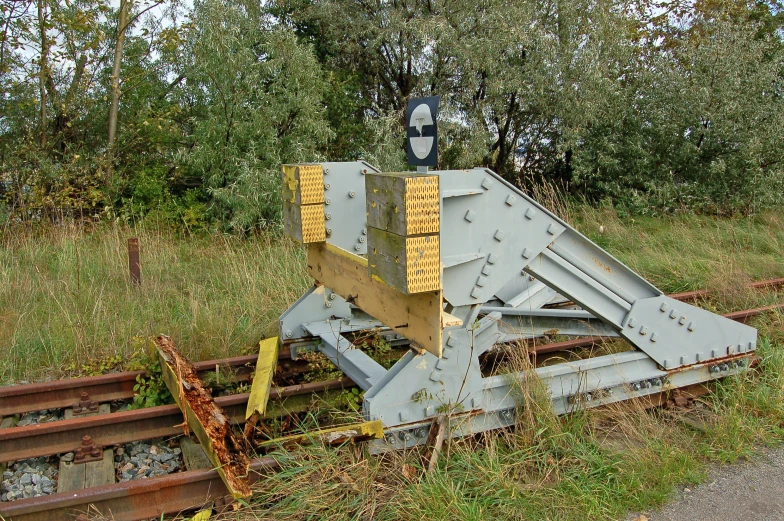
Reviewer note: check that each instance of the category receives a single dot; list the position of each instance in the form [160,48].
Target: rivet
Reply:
[527,253]
[529,213]
[364,231]
[632,322]
[553,229]
[481,281]
[510,199]
[487,269]
[643,330]
[487,183]
[328,304]
[326,170]
[329,231]
[690,327]
[654,337]
[469,216]
[492,258]
[682,320]
[499,235]
[476,292]
[673,313]
[352,193]
[663,307]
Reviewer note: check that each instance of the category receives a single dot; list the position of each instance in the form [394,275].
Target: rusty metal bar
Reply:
[57,394]
[702,293]
[132,500]
[65,393]
[46,439]
[134,267]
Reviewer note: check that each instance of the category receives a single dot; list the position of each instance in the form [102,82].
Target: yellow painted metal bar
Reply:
[334,436]
[262,378]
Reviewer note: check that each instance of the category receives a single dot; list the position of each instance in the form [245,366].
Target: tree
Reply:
[258,93]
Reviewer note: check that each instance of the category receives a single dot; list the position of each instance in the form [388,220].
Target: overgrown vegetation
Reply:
[658,107]
[590,465]
[66,299]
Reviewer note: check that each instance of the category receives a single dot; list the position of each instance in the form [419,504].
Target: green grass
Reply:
[65,298]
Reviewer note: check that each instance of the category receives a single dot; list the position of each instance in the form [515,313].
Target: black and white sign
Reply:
[422,130]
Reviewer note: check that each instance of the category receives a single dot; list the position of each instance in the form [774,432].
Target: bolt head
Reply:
[289,334]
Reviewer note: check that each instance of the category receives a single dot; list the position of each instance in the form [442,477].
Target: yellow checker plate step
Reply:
[313,224]
[423,264]
[423,201]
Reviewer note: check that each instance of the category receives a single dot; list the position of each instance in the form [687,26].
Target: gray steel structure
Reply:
[503,257]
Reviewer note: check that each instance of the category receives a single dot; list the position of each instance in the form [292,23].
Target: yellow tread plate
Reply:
[423,203]
[262,377]
[313,224]
[305,181]
[311,183]
[423,264]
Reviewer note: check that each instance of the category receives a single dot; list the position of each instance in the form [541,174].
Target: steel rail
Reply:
[47,439]
[132,500]
[59,394]
[174,493]
[702,293]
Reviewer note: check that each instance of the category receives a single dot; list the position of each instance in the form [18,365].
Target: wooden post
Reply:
[133,261]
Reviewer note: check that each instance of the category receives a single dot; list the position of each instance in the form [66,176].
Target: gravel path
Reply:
[743,492]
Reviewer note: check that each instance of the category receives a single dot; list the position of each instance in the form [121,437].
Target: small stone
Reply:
[26,479]
[120,451]
[687,490]
[68,457]
[153,450]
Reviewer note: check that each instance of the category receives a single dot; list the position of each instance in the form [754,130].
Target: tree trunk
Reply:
[43,67]
[115,79]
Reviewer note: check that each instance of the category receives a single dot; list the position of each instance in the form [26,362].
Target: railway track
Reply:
[194,487]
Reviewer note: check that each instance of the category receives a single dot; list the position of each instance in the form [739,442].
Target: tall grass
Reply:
[66,296]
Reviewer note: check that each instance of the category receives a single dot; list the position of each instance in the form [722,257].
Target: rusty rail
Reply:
[131,500]
[174,493]
[47,439]
[58,394]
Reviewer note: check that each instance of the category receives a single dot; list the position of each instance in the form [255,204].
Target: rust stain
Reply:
[602,265]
